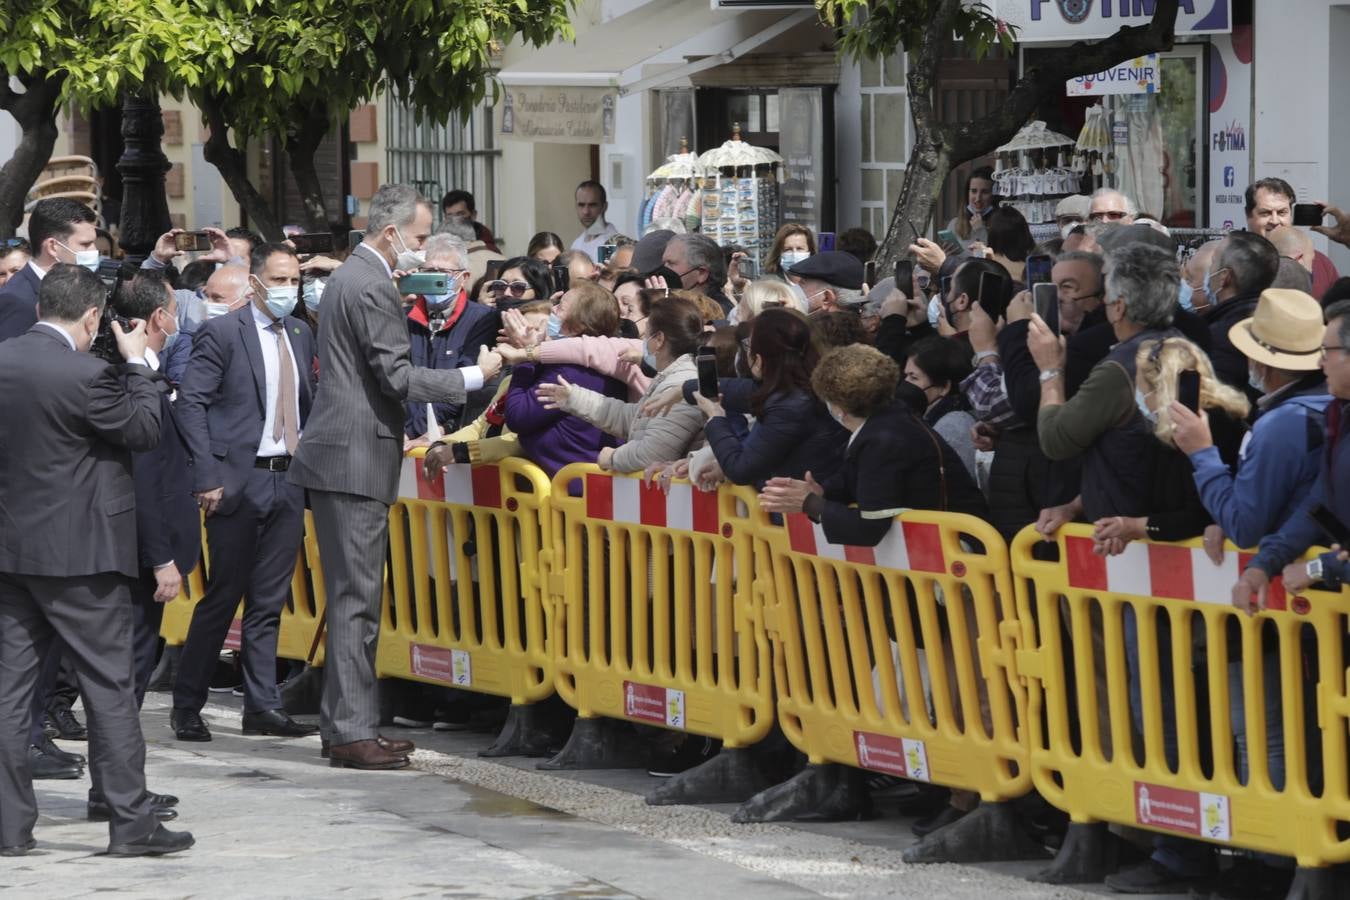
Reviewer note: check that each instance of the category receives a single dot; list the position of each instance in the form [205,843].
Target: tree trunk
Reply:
[929,165]
[940,147]
[232,164]
[35,111]
[301,148]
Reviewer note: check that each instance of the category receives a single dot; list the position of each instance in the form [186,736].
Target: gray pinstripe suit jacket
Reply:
[353,441]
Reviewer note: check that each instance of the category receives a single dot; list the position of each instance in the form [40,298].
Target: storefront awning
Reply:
[602,53]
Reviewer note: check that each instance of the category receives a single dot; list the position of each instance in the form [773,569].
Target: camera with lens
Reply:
[113,273]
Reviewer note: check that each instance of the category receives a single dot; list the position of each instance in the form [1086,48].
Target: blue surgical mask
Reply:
[170,338]
[1255,381]
[791,258]
[554,326]
[313,293]
[439,301]
[280,300]
[648,358]
[1209,292]
[1141,401]
[1184,298]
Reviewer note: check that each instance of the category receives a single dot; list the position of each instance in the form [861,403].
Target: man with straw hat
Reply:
[1277,469]
[1279,461]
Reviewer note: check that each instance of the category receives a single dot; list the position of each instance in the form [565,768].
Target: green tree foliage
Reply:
[289,69]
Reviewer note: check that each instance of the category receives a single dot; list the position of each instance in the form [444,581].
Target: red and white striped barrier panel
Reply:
[908,546]
[460,483]
[1163,571]
[632,502]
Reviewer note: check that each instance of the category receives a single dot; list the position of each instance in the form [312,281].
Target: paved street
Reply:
[272,820]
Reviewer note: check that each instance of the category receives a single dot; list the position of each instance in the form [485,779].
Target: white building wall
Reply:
[1301,110]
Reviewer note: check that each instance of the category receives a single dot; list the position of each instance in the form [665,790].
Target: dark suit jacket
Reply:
[168,528]
[67,500]
[18,303]
[221,404]
[894,462]
[353,443]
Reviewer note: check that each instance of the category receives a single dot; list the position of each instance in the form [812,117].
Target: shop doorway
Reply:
[1155,153]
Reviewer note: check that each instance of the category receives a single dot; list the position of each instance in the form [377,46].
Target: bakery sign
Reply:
[1039,21]
[557,115]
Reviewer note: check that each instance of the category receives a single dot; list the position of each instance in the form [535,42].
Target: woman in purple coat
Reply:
[552,438]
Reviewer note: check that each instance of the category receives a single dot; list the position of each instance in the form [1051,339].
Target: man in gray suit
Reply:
[350,455]
[244,403]
[68,549]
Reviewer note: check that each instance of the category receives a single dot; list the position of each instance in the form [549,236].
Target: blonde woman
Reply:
[765,294]
[1177,513]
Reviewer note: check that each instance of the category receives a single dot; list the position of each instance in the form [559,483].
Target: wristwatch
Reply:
[1315,570]
[1050,374]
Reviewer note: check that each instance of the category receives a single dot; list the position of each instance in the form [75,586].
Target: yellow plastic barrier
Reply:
[899,658]
[468,557]
[301,616]
[298,619]
[656,611]
[1087,757]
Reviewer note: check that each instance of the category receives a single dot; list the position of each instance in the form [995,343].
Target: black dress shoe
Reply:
[157,843]
[188,725]
[44,766]
[55,752]
[276,722]
[68,727]
[162,799]
[100,811]
[18,849]
[940,819]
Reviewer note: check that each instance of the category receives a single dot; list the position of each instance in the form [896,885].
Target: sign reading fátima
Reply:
[558,115]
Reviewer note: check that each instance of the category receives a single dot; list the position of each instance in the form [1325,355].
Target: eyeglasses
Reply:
[16,244]
[455,274]
[1326,350]
[515,288]
[1113,215]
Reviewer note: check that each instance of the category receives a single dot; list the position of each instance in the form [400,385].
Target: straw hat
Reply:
[1286,331]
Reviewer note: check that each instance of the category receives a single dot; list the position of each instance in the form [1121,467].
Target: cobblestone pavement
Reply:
[273,820]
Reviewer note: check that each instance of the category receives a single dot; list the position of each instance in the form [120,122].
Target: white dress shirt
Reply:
[272,369]
[40,272]
[595,237]
[473,375]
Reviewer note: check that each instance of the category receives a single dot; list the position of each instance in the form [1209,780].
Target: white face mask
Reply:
[408,260]
[87,258]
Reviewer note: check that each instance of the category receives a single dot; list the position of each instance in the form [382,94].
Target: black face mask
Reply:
[673,280]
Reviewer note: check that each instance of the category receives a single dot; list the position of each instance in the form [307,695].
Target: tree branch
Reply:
[974,139]
[233,167]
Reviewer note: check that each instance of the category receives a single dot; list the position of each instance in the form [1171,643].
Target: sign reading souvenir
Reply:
[1039,21]
[1141,75]
[557,115]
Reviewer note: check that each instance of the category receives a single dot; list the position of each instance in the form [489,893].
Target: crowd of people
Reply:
[1167,392]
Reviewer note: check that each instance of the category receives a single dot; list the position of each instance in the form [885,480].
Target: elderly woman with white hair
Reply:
[768,294]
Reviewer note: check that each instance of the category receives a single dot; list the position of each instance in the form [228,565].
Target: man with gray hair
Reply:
[351,454]
[446,329]
[698,261]
[1110,205]
[1101,422]
[832,281]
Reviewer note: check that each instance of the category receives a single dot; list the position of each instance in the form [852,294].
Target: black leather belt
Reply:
[272,463]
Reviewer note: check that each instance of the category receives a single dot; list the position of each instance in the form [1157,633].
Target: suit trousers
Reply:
[252,554]
[146,616]
[353,534]
[92,615]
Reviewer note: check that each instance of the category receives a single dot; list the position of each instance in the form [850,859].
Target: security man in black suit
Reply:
[68,549]
[168,527]
[61,231]
[242,405]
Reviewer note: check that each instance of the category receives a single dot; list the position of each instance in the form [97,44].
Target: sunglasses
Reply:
[515,288]
[1113,215]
